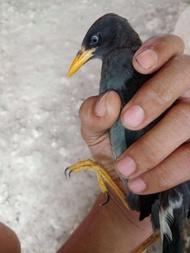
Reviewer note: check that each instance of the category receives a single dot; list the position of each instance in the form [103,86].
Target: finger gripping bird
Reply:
[114,41]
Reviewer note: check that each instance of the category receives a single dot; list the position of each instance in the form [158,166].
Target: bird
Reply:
[113,40]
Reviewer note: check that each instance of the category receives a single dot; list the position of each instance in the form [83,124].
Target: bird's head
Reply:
[106,34]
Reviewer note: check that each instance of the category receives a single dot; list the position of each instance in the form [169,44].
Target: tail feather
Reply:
[171,217]
[174,246]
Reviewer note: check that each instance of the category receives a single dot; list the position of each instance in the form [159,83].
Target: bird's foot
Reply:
[102,176]
[103,180]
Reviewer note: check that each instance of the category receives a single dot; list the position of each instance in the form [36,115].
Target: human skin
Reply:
[9,242]
[162,153]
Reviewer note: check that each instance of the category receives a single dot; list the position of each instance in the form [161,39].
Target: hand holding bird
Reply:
[125,79]
[95,133]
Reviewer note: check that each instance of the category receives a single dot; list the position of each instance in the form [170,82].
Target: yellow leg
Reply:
[102,177]
[147,243]
[103,188]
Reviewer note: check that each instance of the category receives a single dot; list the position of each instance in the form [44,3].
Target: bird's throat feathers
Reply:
[118,74]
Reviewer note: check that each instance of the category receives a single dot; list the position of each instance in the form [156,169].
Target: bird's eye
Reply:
[94,40]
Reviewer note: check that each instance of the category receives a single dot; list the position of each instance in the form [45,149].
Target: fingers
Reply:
[159,93]
[165,87]
[161,153]
[155,150]
[172,171]
[97,115]
[157,51]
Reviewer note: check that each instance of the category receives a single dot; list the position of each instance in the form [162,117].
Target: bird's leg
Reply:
[147,243]
[102,176]
[103,188]
[103,179]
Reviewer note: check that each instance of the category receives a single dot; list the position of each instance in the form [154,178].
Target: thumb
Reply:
[97,115]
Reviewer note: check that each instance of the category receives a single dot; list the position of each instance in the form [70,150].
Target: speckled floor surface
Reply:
[39,126]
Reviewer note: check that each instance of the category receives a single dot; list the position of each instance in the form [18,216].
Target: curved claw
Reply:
[66,170]
[70,172]
[107,199]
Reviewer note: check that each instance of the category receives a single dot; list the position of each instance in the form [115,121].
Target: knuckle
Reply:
[182,65]
[182,113]
[161,92]
[184,160]
[164,178]
[86,117]
[183,58]
[163,89]
[150,155]
[184,109]
[84,108]
[187,156]
[167,178]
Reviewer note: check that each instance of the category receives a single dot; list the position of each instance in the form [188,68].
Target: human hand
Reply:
[160,159]
[99,113]
[171,82]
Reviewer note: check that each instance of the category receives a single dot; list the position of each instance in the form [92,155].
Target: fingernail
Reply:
[100,108]
[126,166]
[147,59]
[134,116]
[137,185]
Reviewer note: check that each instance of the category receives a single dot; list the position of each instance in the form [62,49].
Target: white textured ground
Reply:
[39,124]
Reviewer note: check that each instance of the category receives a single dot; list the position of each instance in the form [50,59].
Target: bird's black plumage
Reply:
[114,41]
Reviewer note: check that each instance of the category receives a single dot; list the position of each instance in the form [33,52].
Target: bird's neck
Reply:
[118,74]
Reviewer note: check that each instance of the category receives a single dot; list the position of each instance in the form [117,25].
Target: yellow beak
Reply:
[81,58]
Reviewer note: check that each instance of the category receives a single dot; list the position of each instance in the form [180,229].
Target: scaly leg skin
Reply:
[147,243]
[103,178]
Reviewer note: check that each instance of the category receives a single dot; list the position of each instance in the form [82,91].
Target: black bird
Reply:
[114,41]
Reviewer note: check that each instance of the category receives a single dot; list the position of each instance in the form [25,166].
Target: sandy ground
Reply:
[39,127]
